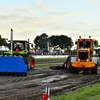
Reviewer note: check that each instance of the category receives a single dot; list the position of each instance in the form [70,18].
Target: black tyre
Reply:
[27,61]
[94,69]
[73,69]
[70,67]
[68,63]
[32,63]
[17,54]
[25,74]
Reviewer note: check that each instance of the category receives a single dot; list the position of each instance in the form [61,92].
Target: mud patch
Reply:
[31,87]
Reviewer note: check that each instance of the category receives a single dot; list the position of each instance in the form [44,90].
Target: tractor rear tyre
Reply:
[27,61]
[94,69]
[32,63]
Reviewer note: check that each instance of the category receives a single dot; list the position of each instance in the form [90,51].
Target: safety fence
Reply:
[50,56]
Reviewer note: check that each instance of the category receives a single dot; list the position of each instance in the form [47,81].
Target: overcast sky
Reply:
[29,18]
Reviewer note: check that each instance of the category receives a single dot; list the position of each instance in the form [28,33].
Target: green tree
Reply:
[41,41]
[68,49]
[63,41]
[2,41]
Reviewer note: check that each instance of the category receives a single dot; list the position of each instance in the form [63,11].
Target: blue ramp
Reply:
[12,64]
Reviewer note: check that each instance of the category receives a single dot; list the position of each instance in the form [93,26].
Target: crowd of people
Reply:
[45,53]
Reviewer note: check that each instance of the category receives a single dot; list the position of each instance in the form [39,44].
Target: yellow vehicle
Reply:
[83,59]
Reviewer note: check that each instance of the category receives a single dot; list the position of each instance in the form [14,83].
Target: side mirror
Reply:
[31,45]
[95,42]
[76,42]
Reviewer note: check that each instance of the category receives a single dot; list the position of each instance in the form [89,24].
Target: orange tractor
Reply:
[83,58]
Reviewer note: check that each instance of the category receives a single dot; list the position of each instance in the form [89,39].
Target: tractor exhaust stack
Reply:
[11,42]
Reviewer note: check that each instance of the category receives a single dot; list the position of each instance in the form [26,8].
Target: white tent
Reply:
[3,48]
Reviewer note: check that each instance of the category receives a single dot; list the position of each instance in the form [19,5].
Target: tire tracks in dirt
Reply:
[31,87]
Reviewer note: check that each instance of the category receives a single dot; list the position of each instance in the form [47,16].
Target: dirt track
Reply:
[31,87]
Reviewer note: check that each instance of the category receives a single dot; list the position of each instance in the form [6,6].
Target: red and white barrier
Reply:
[46,94]
[50,56]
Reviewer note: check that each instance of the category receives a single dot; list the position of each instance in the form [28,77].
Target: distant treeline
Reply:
[62,41]
[2,41]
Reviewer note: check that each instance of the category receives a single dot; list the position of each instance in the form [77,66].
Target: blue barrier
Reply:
[12,64]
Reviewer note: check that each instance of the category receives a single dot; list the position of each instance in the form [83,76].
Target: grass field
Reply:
[49,63]
[90,92]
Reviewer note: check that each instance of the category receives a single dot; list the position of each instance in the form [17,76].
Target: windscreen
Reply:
[20,44]
[87,44]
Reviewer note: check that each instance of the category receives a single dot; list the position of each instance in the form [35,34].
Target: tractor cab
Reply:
[22,45]
[83,59]
[84,47]
[19,47]
[84,43]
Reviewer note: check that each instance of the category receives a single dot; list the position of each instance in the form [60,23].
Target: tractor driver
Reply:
[18,48]
[21,46]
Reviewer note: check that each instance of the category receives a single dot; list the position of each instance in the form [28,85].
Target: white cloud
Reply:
[86,22]
[26,22]
[17,10]
[43,5]
[29,10]
[91,30]
[62,13]
[95,1]
[95,30]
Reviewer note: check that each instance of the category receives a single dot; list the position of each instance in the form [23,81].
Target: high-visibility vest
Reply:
[17,49]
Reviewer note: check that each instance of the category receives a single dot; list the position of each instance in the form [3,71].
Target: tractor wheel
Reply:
[73,69]
[68,63]
[70,67]
[32,63]
[94,69]
[27,61]
[25,74]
